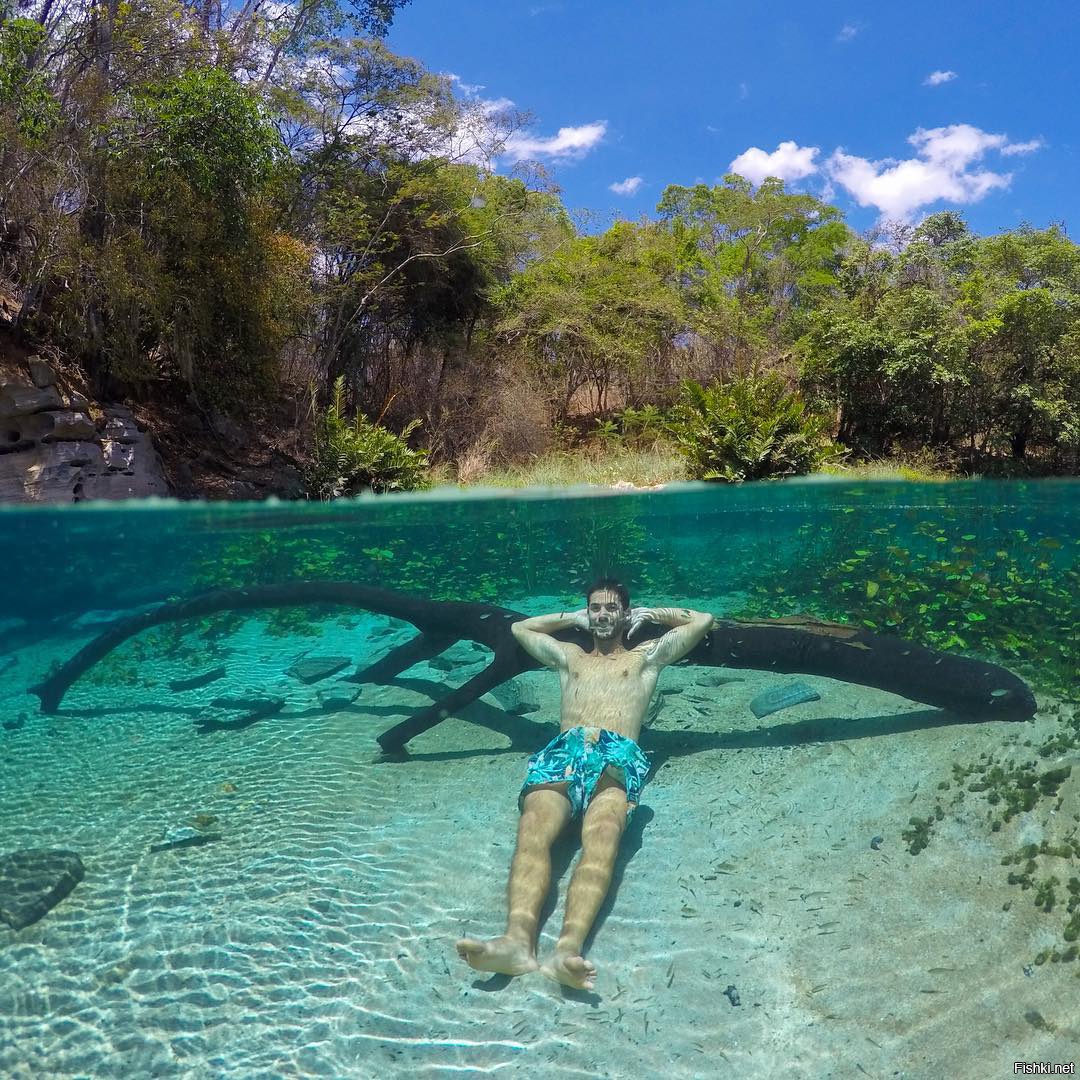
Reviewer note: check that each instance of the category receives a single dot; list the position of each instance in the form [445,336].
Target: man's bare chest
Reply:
[624,673]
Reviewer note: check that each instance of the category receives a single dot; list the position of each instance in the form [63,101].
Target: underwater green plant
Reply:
[1002,593]
[917,834]
[534,549]
[1010,789]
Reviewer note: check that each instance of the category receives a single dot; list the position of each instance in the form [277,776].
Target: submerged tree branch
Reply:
[960,684]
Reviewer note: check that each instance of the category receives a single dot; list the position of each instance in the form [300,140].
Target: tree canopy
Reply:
[241,202]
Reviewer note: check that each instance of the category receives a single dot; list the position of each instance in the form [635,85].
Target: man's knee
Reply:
[605,821]
[543,815]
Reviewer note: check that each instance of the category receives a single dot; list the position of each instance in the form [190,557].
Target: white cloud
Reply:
[936,78]
[468,89]
[788,161]
[1028,147]
[847,32]
[628,186]
[744,91]
[570,144]
[943,171]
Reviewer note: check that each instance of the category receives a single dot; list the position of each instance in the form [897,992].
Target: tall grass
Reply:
[603,466]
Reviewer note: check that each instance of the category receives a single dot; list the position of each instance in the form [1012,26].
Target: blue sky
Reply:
[889,111]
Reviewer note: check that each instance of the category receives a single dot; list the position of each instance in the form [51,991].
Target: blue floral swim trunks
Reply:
[579,757]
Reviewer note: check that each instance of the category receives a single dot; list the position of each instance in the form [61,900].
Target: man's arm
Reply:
[688,629]
[534,636]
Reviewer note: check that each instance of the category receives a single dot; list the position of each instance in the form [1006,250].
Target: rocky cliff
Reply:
[60,445]
[57,446]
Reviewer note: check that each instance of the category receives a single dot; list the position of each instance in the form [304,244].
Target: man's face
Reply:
[607,616]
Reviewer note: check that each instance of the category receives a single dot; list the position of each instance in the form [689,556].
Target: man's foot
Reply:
[571,970]
[502,954]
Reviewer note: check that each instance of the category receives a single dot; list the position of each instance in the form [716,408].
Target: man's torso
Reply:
[611,692]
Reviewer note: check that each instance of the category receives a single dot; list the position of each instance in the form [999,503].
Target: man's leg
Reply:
[544,815]
[601,831]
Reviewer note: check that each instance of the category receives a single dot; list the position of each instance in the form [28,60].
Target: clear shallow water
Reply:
[316,936]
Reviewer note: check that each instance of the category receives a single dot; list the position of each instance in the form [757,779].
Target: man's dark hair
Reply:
[611,585]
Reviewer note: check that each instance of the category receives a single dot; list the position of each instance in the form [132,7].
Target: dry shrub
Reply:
[492,418]
[474,462]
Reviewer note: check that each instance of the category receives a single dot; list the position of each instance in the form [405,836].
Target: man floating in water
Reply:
[593,767]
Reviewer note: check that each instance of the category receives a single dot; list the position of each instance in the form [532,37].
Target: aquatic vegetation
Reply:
[531,551]
[917,834]
[1005,593]
[134,662]
[1013,788]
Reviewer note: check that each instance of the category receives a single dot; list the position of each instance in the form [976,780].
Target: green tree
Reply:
[179,276]
[892,372]
[28,109]
[600,311]
[954,341]
[754,261]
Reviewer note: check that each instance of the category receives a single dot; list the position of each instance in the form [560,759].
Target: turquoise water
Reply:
[309,929]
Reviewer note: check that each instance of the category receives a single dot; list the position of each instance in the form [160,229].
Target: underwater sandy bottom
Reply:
[316,938]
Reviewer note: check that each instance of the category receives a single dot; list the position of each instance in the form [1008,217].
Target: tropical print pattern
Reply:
[579,757]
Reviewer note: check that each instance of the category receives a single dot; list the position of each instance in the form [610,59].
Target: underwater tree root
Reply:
[793,645]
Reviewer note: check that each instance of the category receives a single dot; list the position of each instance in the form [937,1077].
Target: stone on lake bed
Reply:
[184,836]
[91,620]
[255,703]
[255,709]
[33,881]
[338,697]
[782,697]
[197,681]
[314,668]
[515,698]
[714,678]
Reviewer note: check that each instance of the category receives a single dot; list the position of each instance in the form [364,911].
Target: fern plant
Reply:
[751,428]
[353,456]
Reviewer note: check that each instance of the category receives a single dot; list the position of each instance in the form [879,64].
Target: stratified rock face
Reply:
[34,881]
[52,451]
[41,374]
[17,400]
[71,426]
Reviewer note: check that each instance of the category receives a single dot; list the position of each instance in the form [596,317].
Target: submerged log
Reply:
[795,645]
